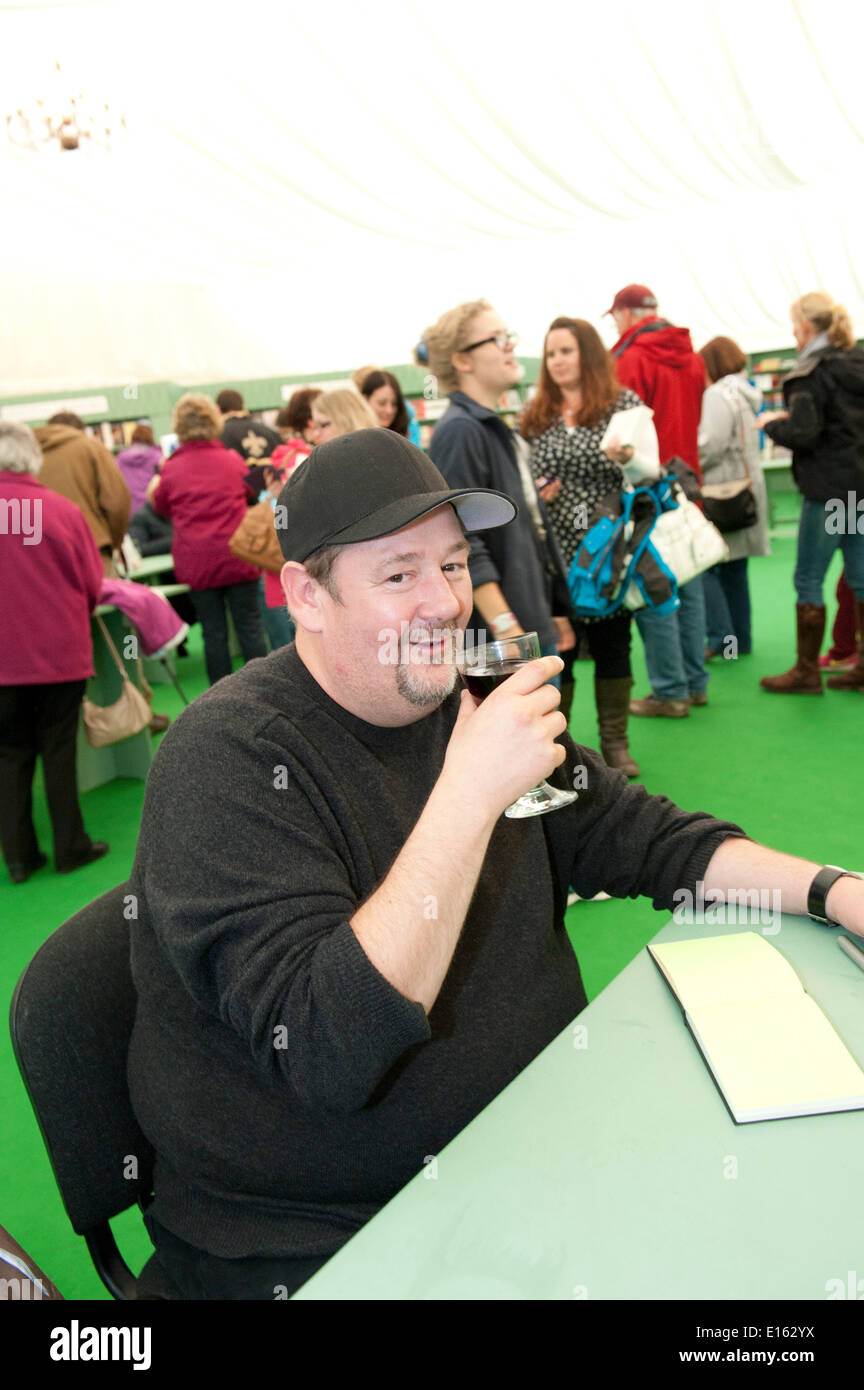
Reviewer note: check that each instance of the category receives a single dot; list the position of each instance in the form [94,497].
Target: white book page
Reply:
[726,969]
[777,1057]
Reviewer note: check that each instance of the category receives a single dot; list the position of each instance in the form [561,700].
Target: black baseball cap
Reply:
[367,484]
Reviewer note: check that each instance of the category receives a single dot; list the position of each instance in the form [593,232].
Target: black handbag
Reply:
[731,506]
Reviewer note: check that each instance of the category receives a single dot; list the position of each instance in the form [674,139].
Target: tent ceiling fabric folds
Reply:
[302,189]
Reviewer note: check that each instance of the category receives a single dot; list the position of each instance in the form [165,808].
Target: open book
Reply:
[769,1046]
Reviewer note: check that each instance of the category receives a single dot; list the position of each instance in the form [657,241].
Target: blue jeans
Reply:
[278,623]
[816,546]
[727,605]
[675,645]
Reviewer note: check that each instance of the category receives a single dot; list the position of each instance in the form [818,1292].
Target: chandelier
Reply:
[65,119]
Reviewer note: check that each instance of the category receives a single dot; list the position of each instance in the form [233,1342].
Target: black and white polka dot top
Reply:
[574,456]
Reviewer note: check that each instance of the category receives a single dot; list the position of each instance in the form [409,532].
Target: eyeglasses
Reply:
[501,340]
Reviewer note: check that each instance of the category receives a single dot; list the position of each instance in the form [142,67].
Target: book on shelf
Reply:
[429,410]
[769,1047]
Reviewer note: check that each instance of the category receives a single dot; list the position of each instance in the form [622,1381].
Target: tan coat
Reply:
[80,468]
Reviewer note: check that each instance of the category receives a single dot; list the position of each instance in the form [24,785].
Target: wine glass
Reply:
[484,668]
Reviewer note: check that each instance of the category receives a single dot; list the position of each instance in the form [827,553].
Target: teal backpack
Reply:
[617,551]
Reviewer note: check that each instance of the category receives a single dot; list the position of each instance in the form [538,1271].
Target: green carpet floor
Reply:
[789,770]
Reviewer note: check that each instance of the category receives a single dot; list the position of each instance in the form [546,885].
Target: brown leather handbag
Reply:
[255,539]
[107,724]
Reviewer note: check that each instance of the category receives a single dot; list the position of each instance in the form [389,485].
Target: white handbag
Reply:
[686,541]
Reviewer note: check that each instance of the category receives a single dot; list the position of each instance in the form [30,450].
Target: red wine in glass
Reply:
[483,669]
[481,682]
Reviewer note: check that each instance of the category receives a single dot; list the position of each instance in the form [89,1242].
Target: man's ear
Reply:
[303,595]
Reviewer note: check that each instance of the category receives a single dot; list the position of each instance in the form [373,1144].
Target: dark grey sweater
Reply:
[288,1089]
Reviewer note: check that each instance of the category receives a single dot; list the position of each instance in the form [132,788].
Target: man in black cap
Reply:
[343,951]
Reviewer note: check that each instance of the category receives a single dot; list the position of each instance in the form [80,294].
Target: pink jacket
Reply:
[203,492]
[50,579]
[158,625]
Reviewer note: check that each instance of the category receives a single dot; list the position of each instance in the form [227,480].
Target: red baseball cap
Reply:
[634,297]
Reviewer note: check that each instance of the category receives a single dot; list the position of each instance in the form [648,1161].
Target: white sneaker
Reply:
[598,898]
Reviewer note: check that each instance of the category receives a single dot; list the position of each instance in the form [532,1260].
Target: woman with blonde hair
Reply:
[201,489]
[516,571]
[823,425]
[340,412]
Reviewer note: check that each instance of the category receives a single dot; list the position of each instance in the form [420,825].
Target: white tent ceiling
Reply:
[304,189]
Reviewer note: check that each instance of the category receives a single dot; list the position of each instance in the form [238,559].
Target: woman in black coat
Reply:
[823,425]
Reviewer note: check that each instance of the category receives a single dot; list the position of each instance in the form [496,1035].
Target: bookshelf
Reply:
[767,370]
[429,412]
[116,435]
[111,413]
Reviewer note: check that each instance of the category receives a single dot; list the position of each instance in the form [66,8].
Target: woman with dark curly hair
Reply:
[577,395]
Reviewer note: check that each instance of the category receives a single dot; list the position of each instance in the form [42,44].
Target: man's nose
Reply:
[440,599]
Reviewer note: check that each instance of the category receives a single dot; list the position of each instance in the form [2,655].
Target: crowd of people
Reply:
[343,949]
[563,459]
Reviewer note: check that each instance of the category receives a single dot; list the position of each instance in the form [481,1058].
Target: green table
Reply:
[153,565]
[132,757]
[611,1169]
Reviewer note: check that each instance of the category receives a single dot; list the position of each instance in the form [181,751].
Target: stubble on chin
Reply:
[424,688]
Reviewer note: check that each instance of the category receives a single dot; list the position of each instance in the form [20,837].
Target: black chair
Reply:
[71,1020]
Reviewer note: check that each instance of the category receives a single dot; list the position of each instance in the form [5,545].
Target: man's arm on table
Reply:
[497,752]
[742,864]
[631,844]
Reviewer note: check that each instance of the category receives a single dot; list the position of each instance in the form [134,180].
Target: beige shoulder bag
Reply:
[104,724]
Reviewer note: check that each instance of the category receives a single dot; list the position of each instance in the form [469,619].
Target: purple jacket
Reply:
[138,464]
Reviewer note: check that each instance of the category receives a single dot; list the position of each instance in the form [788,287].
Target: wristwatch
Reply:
[825,879]
[503,623]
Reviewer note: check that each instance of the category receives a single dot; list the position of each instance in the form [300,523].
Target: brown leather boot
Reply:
[854,678]
[805,677]
[612,698]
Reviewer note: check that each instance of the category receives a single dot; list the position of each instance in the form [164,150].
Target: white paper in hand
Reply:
[636,428]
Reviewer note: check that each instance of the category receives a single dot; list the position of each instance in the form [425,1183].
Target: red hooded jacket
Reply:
[656,360]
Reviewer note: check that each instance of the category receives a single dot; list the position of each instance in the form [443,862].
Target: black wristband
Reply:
[824,880]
